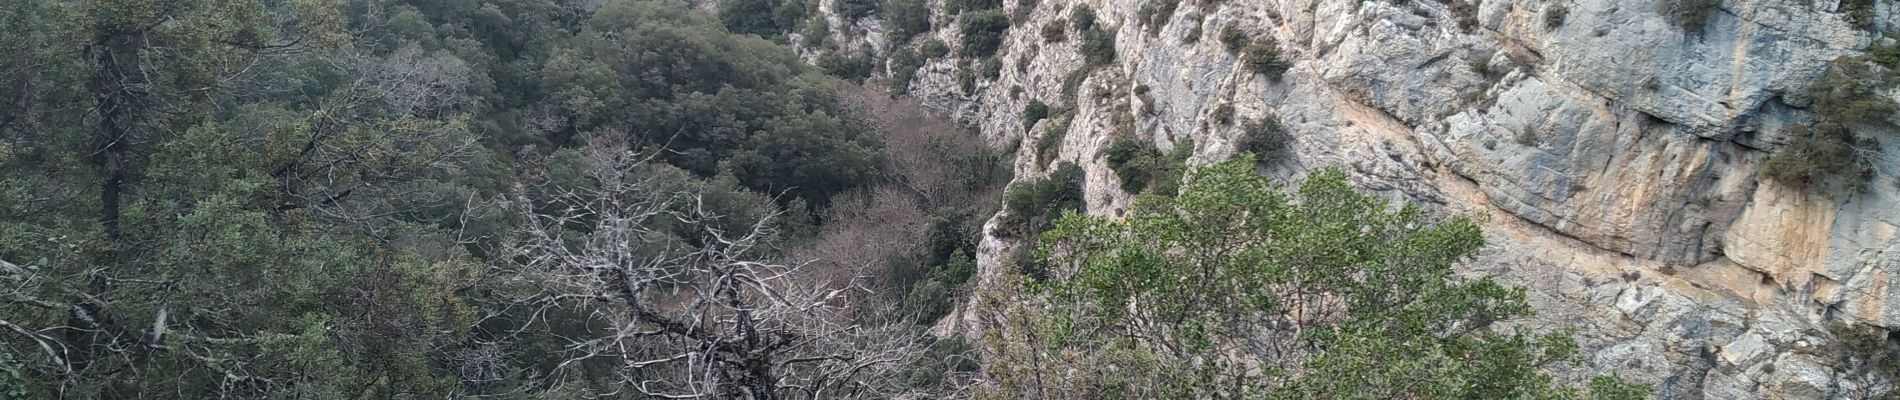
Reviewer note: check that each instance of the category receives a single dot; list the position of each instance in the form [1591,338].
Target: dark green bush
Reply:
[934,49]
[850,67]
[1142,168]
[964,6]
[817,31]
[934,296]
[928,301]
[1098,47]
[1266,139]
[1031,205]
[853,10]
[1035,111]
[1168,175]
[1133,161]
[966,78]
[904,65]
[1055,31]
[1827,154]
[766,18]
[906,19]
[992,68]
[944,356]
[982,32]
[1263,57]
[1083,17]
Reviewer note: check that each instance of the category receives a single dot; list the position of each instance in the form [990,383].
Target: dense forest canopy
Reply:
[521,199]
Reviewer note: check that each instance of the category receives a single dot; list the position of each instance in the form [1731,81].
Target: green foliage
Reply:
[906,19]
[816,34]
[982,33]
[1031,206]
[1142,168]
[1224,271]
[932,298]
[335,220]
[934,49]
[1055,31]
[966,78]
[1034,112]
[1689,15]
[853,10]
[1265,139]
[851,67]
[1083,17]
[992,68]
[904,64]
[767,18]
[1098,47]
[1263,57]
[1827,153]
[943,358]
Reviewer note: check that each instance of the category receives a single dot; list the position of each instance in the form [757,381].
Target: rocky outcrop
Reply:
[1616,153]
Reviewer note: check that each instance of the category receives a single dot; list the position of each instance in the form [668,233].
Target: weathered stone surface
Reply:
[1616,154]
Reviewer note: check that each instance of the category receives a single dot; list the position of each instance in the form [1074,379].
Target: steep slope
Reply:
[1615,148]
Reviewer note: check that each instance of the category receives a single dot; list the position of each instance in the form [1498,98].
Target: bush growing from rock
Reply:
[1263,57]
[982,32]
[934,49]
[1035,111]
[1031,205]
[1098,47]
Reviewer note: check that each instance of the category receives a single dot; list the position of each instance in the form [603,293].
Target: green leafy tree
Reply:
[906,19]
[1235,288]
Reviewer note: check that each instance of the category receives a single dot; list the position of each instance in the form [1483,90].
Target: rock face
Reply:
[1616,152]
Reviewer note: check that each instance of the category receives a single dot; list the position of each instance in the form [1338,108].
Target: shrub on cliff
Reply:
[1238,287]
[1142,168]
[1035,111]
[1266,139]
[1263,57]
[1827,154]
[1098,47]
[852,10]
[906,19]
[982,32]
[1031,205]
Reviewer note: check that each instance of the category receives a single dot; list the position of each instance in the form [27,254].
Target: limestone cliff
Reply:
[1615,152]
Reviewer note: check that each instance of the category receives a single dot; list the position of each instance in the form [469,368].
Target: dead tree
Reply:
[701,321]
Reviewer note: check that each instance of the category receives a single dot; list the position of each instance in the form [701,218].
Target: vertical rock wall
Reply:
[1616,154]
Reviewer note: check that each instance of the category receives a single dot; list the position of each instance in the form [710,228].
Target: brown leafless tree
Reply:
[701,321]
